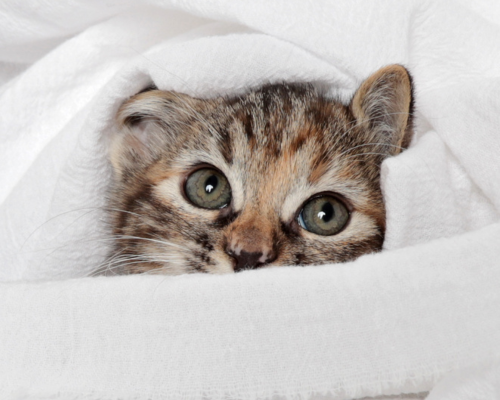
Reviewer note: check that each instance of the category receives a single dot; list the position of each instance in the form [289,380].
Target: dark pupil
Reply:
[211,184]
[326,213]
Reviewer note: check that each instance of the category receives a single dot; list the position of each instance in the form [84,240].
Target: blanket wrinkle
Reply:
[418,320]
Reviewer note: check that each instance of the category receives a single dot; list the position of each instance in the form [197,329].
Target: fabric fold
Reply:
[387,324]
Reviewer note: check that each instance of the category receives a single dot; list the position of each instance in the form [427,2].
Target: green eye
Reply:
[208,188]
[325,215]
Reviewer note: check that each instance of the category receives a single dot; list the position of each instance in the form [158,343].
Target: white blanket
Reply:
[391,323]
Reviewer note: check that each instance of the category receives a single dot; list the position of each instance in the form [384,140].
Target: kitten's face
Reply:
[279,176]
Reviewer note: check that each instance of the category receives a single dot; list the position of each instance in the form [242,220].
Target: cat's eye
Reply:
[323,215]
[208,188]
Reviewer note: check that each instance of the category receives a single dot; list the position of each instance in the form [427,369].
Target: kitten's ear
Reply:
[145,124]
[383,104]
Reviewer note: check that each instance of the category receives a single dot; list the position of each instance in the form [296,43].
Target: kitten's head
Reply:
[278,176]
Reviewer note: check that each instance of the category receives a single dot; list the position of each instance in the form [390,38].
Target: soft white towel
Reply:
[386,324]
[477,382]
[368,328]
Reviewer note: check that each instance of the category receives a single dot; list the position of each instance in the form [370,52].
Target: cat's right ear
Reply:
[145,124]
[383,106]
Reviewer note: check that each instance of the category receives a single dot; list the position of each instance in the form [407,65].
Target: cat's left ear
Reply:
[383,105]
[145,124]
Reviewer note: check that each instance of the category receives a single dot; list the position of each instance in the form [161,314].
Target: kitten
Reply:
[279,176]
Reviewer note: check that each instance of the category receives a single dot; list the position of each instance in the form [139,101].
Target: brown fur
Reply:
[278,146]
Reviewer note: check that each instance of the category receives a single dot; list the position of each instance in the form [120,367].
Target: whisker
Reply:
[368,144]
[110,238]
[91,209]
[364,154]
[152,240]
[128,260]
[58,216]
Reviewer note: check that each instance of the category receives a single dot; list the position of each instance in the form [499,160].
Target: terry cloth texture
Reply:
[390,324]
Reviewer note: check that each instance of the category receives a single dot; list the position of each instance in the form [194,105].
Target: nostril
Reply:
[246,260]
[268,257]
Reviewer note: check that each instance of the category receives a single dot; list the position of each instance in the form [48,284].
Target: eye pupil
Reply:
[327,212]
[211,184]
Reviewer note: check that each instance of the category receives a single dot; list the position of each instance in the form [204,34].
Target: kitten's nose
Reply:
[246,260]
[251,243]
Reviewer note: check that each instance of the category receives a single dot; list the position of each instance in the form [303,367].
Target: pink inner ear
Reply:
[137,140]
[140,130]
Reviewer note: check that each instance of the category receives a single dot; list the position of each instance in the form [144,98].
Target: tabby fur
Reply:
[278,145]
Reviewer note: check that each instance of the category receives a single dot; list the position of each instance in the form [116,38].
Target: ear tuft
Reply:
[383,104]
